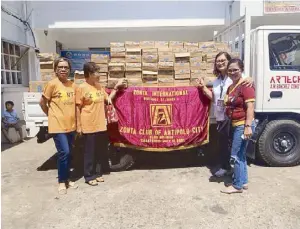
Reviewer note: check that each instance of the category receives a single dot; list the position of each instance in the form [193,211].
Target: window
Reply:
[284,51]
[10,64]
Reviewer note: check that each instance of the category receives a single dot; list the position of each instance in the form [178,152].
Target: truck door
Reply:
[281,71]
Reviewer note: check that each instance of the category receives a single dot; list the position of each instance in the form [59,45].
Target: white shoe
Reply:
[221,172]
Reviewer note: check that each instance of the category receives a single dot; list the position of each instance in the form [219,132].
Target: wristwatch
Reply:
[247,126]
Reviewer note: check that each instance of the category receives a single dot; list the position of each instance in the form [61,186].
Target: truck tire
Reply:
[279,143]
[120,161]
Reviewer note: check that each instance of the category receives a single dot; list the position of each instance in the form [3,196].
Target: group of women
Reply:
[69,109]
[81,108]
[233,97]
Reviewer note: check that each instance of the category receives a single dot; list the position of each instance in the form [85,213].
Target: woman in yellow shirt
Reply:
[90,105]
[58,103]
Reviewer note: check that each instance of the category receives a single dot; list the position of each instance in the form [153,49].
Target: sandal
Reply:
[92,182]
[62,189]
[100,179]
[231,190]
[71,184]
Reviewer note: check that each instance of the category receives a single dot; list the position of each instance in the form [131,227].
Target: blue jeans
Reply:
[238,154]
[63,143]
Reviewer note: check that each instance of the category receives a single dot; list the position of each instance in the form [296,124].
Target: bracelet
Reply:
[247,126]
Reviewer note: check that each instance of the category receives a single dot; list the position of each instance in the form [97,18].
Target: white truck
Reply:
[272,57]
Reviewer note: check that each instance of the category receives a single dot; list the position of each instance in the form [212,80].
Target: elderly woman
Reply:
[90,100]
[220,86]
[239,102]
[58,103]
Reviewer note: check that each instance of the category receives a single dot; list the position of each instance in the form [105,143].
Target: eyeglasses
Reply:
[221,61]
[63,67]
[233,70]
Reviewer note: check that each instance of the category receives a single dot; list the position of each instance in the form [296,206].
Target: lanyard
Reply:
[222,86]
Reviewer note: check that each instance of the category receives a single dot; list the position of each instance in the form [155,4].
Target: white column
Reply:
[247,43]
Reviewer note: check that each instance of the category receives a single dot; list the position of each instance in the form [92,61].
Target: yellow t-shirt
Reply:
[61,113]
[92,100]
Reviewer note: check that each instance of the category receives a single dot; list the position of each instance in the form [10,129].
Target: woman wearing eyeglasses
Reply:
[58,103]
[220,86]
[239,102]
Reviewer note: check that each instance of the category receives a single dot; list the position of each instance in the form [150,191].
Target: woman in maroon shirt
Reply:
[239,102]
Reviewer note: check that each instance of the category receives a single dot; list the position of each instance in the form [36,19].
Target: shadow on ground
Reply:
[6,146]
[206,155]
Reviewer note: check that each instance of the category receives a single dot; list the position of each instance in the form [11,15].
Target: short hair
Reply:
[90,68]
[9,102]
[236,61]
[228,57]
[62,59]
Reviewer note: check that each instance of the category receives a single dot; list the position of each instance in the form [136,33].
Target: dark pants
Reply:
[224,149]
[63,143]
[95,155]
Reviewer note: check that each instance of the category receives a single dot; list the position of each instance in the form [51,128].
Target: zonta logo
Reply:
[161,115]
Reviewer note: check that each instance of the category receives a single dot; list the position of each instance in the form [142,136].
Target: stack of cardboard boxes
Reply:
[165,64]
[46,72]
[102,61]
[133,62]
[149,63]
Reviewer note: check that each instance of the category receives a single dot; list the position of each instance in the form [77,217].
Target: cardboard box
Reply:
[166,82]
[176,44]
[99,58]
[182,72]
[182,82]
[166,57]
[164,49]
[103,76]
[132,44]
[37,86]
[117,60]
[179,50]
[196,65]
[150,67]
[149,51]
[161,44]
[103,83]
[210,71]
[206,44]
[133,51]
[133,75]
[117,52]
[116,75]
[166,74]
[117,44]
[196,53]
[166,66]
[116,67]
[197,75]
[190,45]
[147,44]
[133,67]
[47,76]
[197,71]
[182,57]
[133,59]
[196,59]
[181,66]
[210,65]
[149,77]
[79,77]
[46,57]
[135,82]
[103,68]
[153,58]
[46,65]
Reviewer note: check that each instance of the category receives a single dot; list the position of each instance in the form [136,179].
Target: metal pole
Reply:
[247,43]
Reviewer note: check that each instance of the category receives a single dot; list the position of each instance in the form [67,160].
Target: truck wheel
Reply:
[279,143]
[120,161]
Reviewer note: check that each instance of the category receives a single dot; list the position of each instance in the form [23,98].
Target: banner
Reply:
[160,118]
[274,7]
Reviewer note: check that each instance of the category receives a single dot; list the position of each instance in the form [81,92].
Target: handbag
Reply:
[111,114]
